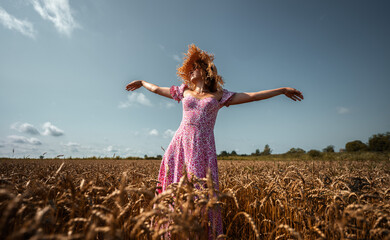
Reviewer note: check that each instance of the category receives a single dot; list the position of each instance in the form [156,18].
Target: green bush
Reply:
[314,153]
[355,146]
[224,154]
[379,142]
[328,149]
[296,150]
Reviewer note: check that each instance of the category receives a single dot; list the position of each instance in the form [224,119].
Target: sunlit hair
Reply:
[197,58]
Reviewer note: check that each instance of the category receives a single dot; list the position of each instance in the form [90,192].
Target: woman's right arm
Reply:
[163,91]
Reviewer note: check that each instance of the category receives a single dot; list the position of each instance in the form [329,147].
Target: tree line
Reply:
[376,143]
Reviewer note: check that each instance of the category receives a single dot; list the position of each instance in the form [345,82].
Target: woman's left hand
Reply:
[293,94]
[134,85]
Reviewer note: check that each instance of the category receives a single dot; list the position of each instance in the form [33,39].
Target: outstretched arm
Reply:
[240,98]
[163,91]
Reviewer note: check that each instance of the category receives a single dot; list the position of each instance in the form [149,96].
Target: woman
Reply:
[193,145]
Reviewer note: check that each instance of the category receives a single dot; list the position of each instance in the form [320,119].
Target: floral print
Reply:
[193,145]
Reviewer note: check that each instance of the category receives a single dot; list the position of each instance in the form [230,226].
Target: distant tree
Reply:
[355,146]
[159,156]
[328,149]
[256,153]
[146,156]
[314,153]
[379,142]
[296,150]
[234,153]
[224,154]
[267,150]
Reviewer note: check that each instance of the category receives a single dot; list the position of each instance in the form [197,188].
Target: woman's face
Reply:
[195,75]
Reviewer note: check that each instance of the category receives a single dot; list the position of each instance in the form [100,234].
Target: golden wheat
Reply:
[116,199]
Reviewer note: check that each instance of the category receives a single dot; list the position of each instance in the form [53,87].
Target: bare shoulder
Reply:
[218,94]
[186,91]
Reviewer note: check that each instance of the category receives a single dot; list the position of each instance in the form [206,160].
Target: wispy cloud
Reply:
[133,152]
[173,56]
[169,105]
[25,128]
[71,144]
[24,140]
[111,149]
[176,58]
[166,104]
[342,110]
[153,132]
[134,99]
[58,12]
[23,26]
[50,129]
[169,133]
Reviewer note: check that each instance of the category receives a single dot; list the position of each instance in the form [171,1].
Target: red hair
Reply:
[197,58]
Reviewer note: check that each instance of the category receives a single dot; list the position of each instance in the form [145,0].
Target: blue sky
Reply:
[64,66]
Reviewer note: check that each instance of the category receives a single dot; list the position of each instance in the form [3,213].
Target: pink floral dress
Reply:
[193,144]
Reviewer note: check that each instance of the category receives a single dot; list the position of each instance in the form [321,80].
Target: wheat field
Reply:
[115,199]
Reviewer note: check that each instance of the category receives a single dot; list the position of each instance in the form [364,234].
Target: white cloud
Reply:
[58,12]
[173,56]
[71,144]
[50,129]
[169,133]
[24,140]
[131,152]
[169,105]
[111,149]
[25,128]
[166,104]
[134,99]
[153,132]
[24,27]
[342,110]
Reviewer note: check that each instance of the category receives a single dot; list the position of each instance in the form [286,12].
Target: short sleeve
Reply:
[226,97]
[177,92]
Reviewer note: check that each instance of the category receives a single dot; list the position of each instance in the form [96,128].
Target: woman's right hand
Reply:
[134,85]
[293,93]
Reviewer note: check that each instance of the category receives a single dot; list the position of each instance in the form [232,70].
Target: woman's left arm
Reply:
[240,98]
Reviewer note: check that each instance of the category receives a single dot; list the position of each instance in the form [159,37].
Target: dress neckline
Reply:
[201,98]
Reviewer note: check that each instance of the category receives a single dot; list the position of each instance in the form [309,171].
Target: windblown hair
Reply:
[197,58]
